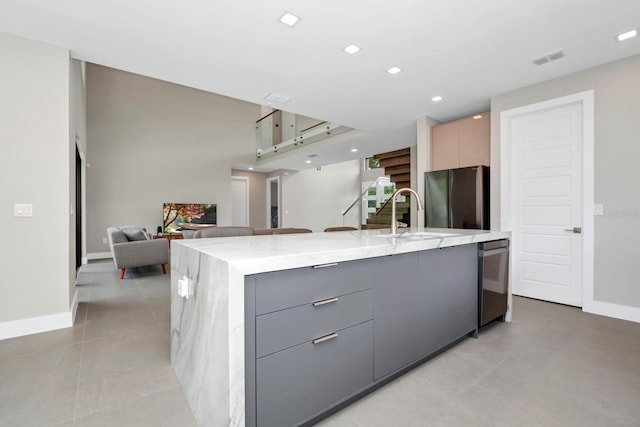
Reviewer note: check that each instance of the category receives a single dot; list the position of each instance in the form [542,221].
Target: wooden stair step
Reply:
[395,153]
[395,161]
[394,170]
[403,177]
[403,184]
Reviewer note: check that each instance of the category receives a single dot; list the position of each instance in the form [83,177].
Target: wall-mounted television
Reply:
[176,214]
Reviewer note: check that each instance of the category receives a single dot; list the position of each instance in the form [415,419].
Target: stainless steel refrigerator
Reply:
[457,198]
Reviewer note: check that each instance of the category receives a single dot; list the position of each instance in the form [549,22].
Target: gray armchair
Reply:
[131,247]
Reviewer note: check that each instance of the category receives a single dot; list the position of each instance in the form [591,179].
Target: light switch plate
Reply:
[598,209]
[23,209]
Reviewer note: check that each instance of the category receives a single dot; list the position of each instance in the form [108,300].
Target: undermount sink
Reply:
[425,234]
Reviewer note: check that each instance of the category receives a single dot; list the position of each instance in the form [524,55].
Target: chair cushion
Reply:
[135,234]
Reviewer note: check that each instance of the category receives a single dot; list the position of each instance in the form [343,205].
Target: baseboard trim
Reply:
[609,309]
[74,307]
[36,325]
[98,255]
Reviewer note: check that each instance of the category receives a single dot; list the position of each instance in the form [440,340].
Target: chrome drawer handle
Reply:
[332,264]
[325,301]
[325,338]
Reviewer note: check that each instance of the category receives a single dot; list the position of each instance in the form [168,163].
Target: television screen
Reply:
[176,214]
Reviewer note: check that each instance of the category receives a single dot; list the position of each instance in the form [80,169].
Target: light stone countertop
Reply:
[260,254]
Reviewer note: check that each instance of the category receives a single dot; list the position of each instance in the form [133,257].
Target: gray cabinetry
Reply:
[448,295]
[313,344]
[396,311]
[286,328]
[297,383]
[316,337]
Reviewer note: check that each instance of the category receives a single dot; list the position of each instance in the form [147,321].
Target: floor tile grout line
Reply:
[84,332]
[157,321]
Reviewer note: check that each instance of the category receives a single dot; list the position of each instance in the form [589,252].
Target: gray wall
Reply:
[257,197]
[617,175]
[151,142]
[36,145]
[77,138]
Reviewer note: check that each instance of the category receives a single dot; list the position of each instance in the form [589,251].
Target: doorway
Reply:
[79,212]
[240,201]
[547,197]
[273,202]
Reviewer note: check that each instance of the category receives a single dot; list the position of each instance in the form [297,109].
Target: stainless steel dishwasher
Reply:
[493,280]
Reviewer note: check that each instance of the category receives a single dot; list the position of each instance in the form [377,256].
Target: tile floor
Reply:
[553,366]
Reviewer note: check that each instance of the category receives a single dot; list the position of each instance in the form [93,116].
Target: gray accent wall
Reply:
[151,141]
[36,141]
[616,89]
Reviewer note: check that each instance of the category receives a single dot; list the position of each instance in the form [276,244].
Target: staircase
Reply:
[396,164]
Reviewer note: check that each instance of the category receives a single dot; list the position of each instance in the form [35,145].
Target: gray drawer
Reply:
[289,288]
[294,384]
[286,328]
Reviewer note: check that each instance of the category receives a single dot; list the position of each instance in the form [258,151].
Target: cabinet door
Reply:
[395,314]
[448,295]
[444,146]
[474,143]
[300,382]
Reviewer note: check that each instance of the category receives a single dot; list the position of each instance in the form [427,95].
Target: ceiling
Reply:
[465,51]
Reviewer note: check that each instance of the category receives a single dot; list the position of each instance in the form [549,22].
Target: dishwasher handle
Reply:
[494,244]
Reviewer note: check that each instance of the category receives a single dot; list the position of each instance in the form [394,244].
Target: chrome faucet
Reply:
[394,222]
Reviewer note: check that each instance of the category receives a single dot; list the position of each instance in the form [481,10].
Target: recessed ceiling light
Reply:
[627,35]
[351,49]
[477,117]
[394,70]
[289,19]
[250,169]
[437,98]
[307,161]
[354,150]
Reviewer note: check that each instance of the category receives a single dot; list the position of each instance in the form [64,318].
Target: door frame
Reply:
[247,197]
[586,100]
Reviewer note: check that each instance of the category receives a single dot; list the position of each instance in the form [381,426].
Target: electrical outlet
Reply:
[23,209]
[104,240]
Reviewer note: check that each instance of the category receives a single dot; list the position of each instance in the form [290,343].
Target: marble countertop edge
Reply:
[262,254]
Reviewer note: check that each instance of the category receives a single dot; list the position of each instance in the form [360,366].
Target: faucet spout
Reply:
[394,222]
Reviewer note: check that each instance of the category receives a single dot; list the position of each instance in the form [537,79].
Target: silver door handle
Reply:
[325,301]
[576,230]
[325,338]
[331,264]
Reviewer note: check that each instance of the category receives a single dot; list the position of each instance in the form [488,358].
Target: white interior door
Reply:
[240,201]
[546,203]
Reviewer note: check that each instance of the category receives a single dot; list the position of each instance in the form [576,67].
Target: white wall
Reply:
[421,163]
[35,139]
[151,141]
[617,129]
[316,199]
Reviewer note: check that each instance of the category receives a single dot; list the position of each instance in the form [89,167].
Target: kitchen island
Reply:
[279,330]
